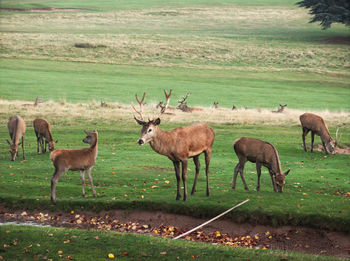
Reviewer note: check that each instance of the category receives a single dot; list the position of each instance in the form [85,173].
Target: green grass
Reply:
[34,242]
[81,82]
[124,172]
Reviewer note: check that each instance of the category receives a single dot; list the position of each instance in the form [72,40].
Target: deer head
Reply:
[13,149]
[91,137]
[148,130]
[280,180]
[52,145]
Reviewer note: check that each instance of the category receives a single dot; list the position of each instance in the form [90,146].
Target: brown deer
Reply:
[216,105]
[17,129]
[315,124]
[36,103]
[179,145]
[183,105]
[42,130]
[77,160]
[281,109]
[263,154]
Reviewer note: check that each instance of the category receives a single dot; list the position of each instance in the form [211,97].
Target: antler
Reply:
[337,140]
[184,98]
[141,103]
[167,96]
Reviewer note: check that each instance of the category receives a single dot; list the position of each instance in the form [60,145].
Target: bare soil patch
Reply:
[345,150]
[291,238]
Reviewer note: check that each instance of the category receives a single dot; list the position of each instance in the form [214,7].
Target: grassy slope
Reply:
[33,242]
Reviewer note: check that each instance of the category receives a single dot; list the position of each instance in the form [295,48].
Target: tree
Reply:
[328,11]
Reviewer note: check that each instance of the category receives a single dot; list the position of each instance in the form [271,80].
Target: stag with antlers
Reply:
[179,145]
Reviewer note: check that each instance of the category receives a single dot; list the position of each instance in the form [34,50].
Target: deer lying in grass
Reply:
[183,105]
[36,103]
[17,129]
[77,160]
[42,130]
[179,145]
[315,124]
[263,154]
[280,110]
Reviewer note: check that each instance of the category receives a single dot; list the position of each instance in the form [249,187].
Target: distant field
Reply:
[231,52]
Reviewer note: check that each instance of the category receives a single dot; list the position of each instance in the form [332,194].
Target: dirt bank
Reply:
[300,239]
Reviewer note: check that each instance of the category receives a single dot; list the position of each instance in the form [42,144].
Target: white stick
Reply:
[205,223]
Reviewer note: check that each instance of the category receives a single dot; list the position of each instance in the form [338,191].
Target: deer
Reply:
[281,109]
[77,160]
[315,124]
[36,103]
[42,130]
[179,145]
[17,129]
[183,105]
[161,105]
[261,153]
[216,105]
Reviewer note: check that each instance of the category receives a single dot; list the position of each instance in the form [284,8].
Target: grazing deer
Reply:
[216,105]
[315,124]
[17,129]
[280,110]
[179,145]
[263,154]
[42,130]
[37,101]
[77,160]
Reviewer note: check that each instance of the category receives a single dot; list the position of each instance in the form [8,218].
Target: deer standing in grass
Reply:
[36,103]
[77,160]
[179,145]
[42,130]
[315,124]
[17,129]
[263,154]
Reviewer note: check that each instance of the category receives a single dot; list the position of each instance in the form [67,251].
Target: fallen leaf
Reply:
[110,256]
[163,253]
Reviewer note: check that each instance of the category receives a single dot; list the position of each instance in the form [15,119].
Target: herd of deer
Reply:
[179,145]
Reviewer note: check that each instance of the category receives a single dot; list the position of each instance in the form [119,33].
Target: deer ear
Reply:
[157,121]
[8,142]
[286,173]
[86,132]
[140,121]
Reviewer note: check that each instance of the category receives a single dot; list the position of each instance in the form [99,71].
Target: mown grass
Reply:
[82,82]
[124,174]
[23,242]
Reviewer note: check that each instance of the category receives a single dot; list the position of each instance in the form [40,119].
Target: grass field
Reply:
[254,54]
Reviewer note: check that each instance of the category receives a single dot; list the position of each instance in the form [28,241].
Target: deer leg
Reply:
[88,171]
[45,146]
[37,142]
[273,178]
[305,132]
[184,170]
[82,177]
[241,169]
[258,170]
[55,177]
[207,162]
[24,156]
[177,174]
[196,162]
[235,173]
[41,144]
[312,140]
